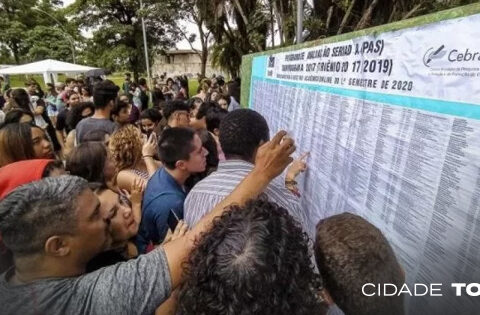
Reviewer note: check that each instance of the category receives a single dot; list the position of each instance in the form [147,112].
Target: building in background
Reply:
[182,62]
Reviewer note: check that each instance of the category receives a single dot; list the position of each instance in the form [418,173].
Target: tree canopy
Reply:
[228,29]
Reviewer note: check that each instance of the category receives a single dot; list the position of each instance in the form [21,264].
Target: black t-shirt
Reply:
[144,99]
[62,121]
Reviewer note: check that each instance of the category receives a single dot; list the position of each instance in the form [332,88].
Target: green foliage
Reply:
[227,57]
[238,26]
[47,42]
[32,30]
[117,41]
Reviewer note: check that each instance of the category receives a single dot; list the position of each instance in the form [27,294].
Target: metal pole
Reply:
[70,37]
[147,63]
[299,21]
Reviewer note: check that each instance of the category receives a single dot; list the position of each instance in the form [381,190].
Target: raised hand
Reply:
[298,166]
[136,192]
[150,147]
[274,156]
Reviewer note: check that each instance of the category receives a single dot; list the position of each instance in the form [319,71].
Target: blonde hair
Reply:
[125,147]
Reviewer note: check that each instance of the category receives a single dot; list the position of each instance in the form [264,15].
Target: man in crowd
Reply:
[182,154]
[60,88]
[54,227]
[242,132]
[177,114]
[71,83]
[126,84]
[351,252]
[144,98]
[104,97]
[62,129]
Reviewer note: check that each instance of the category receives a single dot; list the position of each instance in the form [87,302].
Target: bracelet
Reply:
[147,156]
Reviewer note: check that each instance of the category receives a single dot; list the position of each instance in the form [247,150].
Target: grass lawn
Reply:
[17,81]
[192,87]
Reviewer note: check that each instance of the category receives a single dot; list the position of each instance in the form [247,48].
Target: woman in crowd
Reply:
[135,91]
[182,83]
[204,89]
[83,110]
[133,159]
[209,143]
[213,95]
[149,121]
[41,144]
[15,143]
[89,160]
[223,101]
[22,100]
[35,102]
[169,90]
[20,141]
[125,216]
[86,95]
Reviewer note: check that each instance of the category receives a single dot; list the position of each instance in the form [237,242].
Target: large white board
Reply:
[392,124]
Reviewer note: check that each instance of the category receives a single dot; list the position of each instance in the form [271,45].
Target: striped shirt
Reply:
[210,191]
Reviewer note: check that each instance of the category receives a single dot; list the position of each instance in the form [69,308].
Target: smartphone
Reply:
[172,220]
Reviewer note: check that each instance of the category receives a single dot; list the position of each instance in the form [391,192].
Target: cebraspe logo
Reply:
[453,56]
[433,54]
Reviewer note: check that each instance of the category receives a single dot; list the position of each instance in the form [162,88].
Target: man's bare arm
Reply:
[272,158]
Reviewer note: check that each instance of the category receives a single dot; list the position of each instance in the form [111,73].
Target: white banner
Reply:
[392,124]
[432,62]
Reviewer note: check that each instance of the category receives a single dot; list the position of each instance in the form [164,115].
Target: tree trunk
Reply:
[272,25]
[346,17]
[204,59]
[204,42]
[367,16]
[279,22]
[240,10]
[14,49]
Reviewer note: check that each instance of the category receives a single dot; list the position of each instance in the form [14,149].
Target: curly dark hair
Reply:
[254,260]
[241,133]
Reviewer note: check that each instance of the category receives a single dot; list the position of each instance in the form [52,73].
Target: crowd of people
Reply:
[138,200]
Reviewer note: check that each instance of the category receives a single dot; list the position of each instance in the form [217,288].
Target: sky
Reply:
[190,27]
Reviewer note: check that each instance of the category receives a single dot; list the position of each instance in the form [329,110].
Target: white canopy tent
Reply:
[49,68]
